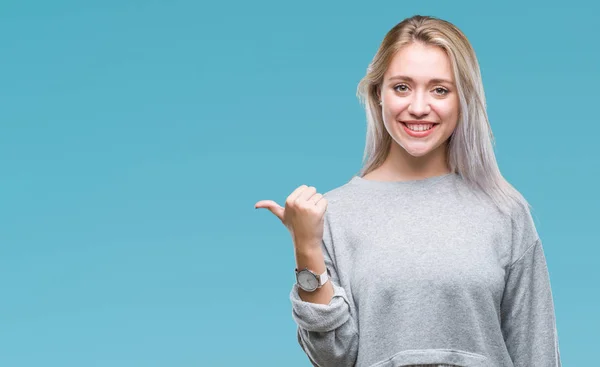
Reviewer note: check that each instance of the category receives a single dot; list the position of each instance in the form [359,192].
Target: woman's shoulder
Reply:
[342,191]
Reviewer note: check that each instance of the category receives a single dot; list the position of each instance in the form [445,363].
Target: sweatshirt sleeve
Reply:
[527,311]
[327,333]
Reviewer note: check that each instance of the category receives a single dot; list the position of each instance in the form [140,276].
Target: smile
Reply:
[419,130]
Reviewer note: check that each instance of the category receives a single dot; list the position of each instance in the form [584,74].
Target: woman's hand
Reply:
[303,216]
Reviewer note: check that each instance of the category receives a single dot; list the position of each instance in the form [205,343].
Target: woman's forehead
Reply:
[420,63]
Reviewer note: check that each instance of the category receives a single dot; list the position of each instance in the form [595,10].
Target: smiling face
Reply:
[419,86]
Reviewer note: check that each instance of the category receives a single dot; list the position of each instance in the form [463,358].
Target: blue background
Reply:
[136,137]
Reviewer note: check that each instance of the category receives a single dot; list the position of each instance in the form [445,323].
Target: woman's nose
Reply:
[419,106]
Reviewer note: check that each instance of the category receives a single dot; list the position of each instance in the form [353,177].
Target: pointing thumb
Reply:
[272,206]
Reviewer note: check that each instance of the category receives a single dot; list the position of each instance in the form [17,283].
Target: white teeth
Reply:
[415,127]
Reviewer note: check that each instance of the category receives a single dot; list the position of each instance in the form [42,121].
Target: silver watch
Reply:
[309,281]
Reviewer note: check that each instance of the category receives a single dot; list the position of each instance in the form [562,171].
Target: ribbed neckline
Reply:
[408,184]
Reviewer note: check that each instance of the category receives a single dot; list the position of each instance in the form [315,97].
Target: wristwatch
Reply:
[309,281]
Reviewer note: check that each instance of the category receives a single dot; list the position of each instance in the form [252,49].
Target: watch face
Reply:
[307,280]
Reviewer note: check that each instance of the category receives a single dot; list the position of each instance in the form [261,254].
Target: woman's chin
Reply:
[416,150]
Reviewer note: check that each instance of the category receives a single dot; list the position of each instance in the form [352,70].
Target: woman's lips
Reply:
[418,134]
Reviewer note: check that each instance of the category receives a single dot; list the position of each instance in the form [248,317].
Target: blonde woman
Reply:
[427,257]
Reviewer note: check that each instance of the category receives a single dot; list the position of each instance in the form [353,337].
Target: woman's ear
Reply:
[378,94]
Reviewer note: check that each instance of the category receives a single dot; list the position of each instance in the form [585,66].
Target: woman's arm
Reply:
[327,331]
[528,317]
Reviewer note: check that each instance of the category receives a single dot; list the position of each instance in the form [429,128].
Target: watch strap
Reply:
[323,278]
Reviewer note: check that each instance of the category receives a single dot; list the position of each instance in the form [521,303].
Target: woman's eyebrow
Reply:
[407,78]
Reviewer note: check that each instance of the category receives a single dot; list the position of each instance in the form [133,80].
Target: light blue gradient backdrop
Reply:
[136,137]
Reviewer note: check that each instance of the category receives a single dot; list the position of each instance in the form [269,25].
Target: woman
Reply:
[428,257]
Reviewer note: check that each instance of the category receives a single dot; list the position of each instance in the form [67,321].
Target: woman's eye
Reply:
[441,91]
[399,86]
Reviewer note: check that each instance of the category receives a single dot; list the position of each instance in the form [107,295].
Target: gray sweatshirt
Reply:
[428,272]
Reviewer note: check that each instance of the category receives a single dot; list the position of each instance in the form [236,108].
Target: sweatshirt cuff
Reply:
[319,317]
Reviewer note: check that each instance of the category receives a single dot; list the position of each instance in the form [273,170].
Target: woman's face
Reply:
[419,87]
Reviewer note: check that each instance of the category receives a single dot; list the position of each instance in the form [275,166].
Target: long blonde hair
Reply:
[470,147]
